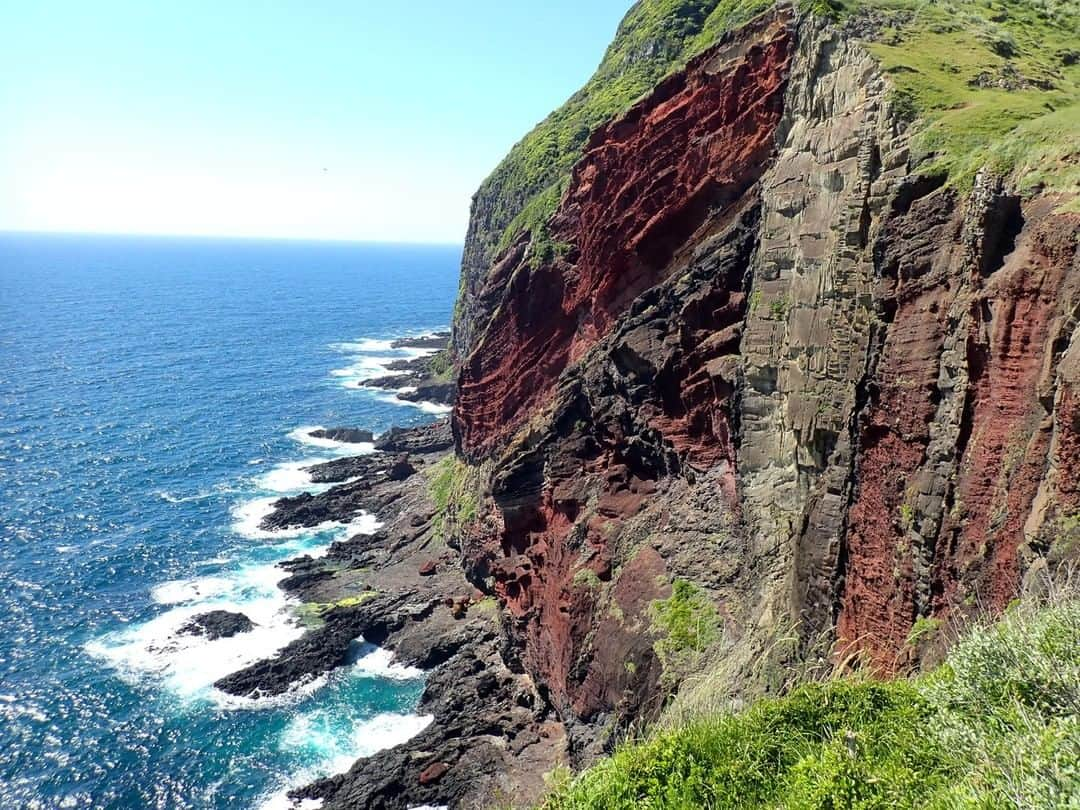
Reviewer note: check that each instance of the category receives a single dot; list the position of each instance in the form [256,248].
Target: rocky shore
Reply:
[418,379]
[492,737]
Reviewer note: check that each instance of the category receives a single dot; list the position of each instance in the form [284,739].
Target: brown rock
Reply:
[433,773]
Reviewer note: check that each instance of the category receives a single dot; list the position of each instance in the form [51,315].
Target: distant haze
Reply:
[332,120]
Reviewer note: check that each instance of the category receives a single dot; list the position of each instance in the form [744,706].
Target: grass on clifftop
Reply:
[996,726]
[946,60]
[993,83]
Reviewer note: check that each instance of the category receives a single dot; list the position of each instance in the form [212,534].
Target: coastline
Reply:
[395,590]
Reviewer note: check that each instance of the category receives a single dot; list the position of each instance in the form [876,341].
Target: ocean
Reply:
[155,397]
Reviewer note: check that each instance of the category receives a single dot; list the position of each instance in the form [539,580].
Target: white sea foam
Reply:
[435,408]
[364,367]
[318,735]
[380,663]
[169,497]
[363,345]
[188,665]
[370,359]
[281,801]
[179,591]
[249,515]
[291,476]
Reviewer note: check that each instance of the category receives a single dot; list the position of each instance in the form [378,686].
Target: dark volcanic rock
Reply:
[311,655]
[343,434]
[492,734]
[403,372]
[343,502]
[303,573]
[436,340]
[432,391]
[343,469]
[322,649]
[217,624]
[487,720]
[433,438]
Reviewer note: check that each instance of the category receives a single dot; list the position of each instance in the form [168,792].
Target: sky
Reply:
[322,120]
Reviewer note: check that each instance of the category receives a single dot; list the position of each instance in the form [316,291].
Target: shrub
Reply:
[688,624]
[996,726]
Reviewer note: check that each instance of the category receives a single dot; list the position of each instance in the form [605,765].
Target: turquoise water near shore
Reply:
[155,397]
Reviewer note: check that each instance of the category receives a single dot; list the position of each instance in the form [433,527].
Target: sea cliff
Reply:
[764,355]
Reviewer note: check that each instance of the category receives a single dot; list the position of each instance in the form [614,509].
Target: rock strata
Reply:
[758,363]
[761,352]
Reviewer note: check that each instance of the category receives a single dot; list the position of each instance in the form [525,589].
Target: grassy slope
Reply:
[935,54]
[998,725]
[932,53]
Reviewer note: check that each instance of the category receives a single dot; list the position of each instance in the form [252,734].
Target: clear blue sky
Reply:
[220,118]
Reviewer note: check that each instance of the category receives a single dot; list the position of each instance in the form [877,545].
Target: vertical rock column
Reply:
[811,322]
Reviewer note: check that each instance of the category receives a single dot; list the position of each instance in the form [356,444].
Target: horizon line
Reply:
[230,238]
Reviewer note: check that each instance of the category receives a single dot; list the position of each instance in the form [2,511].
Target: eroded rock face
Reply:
[768,356]
[648,181]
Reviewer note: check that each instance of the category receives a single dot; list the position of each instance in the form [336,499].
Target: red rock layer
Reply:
[647,182]
[1014,318]
[654,395]
[1005,458]
[878,603]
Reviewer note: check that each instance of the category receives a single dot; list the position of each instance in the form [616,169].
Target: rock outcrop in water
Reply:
[215,624]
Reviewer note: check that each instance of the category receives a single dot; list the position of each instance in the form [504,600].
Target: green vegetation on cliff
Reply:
[452,484]
[996,726]
[992,82]
[656,37]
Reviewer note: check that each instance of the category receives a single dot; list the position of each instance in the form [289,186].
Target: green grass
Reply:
[452,484]
[933,54]
[687,625]
[934,58]
[996,726]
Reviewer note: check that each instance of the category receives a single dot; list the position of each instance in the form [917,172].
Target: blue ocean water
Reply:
[153,399]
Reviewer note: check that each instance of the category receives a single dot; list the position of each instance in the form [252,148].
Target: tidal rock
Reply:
[436,340]
[400,469]
[314,653]
[215,624]
[343,434]
[343,469]
[431,391]
[433,438]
